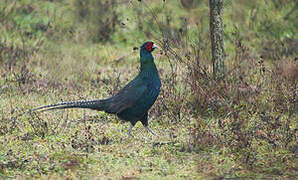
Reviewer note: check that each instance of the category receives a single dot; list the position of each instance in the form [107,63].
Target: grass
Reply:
[243,127]
[98,150]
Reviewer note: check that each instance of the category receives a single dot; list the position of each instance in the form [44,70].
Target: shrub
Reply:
[251,112]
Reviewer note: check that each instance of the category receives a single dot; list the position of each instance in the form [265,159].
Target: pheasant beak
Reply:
[154,46]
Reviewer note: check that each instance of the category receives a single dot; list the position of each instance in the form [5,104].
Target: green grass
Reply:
[242,127]
[107,153]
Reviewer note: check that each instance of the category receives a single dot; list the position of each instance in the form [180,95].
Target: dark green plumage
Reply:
[133,101]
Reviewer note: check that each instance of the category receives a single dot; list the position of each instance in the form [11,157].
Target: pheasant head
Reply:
[146,57]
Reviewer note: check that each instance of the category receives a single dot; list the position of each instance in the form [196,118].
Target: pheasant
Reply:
[133,101]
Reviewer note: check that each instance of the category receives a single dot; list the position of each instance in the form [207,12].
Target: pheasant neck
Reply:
[147,62]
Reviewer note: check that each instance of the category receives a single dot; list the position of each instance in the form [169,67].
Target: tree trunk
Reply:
[216,34]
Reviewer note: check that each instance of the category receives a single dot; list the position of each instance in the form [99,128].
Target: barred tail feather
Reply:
[91,104]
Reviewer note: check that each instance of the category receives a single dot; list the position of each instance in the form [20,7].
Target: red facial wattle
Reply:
[149,46]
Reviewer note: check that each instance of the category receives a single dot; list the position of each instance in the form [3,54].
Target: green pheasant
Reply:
[133,101]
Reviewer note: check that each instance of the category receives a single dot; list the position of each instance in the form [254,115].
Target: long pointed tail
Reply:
[89,104]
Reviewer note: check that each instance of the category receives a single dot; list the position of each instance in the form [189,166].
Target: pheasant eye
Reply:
[150,44]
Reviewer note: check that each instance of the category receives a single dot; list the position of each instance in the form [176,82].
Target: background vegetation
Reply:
[244,126]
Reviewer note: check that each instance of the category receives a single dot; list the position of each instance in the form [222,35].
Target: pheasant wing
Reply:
[127,96]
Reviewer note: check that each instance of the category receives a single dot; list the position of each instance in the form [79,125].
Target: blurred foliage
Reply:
[98,17]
